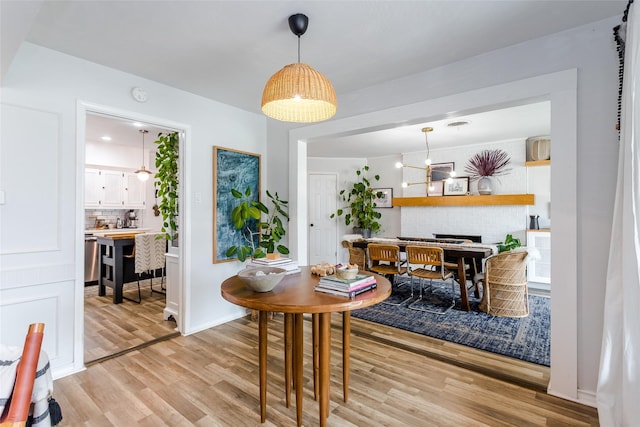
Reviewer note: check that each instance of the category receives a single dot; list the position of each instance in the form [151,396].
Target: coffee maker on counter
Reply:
[132,219]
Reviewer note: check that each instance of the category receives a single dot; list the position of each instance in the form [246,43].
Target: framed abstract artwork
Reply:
[232,169]
[441,171]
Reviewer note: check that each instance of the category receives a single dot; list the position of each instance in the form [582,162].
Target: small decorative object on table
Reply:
[348,271]
[323,269]
[262,279]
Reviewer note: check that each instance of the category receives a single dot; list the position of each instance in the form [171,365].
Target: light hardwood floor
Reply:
[397,379]
[110,329]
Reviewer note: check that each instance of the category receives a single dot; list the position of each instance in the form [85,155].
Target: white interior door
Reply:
[323,231]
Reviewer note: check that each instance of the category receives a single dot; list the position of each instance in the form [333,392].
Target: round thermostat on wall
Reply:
[139,94]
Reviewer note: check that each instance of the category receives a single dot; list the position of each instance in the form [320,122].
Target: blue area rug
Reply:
[521,338]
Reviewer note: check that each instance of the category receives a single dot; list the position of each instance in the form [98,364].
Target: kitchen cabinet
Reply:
[539,267]
[93,188]
[172,308]
[134,191]
[113,195]
[113,189]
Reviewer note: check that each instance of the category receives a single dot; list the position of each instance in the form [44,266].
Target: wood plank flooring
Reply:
[110,329]
[211,379]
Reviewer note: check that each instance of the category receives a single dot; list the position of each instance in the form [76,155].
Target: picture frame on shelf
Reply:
[441,171]
[436,191]
[456,186]
[386,199]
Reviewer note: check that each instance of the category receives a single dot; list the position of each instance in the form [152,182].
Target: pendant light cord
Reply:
[426,141]
[298,49]
[143,131]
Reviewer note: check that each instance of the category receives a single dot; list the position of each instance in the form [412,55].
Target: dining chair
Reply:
[356,255]
[505,291]
[427,262]
[386,259]
[149,256]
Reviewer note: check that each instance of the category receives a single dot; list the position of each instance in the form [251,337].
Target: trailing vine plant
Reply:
[167,183]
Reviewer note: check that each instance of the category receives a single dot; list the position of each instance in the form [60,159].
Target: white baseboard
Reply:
[584,397]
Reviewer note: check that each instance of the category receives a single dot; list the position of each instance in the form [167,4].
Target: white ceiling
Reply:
[227,50]
[491,126]
[121,131]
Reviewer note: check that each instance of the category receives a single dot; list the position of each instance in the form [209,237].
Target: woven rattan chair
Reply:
[427,262]
[356,255]
[505,285]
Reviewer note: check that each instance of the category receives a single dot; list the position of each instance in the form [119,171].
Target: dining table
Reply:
[459,249]
[295,296]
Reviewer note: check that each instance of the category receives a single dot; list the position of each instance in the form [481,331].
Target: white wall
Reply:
[43,80]
[591,50]
[538,183]
[490,222]
[390,177]
[345,169]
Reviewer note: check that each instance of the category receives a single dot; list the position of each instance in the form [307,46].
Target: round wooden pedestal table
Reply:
[294,296]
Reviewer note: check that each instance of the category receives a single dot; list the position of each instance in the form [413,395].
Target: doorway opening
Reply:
[113,144]
[560,89]
[482,224]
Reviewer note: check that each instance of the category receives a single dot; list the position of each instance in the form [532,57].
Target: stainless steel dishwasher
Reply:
[91,254]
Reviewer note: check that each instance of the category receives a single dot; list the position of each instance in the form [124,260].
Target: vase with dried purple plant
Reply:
[486,164]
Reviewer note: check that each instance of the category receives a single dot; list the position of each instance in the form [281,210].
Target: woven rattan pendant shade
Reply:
[298,93]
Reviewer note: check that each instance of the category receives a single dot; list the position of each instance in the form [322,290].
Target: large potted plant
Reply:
[360,205]
[261,237]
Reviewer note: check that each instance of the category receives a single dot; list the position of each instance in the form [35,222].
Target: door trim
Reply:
[82,108]
[561,89]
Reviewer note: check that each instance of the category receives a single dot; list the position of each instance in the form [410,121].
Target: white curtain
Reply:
[619,377]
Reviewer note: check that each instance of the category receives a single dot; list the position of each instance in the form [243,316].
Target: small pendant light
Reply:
[298,93]
[427,169]
[143,173]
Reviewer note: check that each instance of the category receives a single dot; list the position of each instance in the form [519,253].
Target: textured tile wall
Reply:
[107,216]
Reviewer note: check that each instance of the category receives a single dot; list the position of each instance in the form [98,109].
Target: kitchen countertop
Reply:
[103,231]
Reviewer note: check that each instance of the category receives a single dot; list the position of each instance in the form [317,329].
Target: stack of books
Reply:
[285,263]
[346,287]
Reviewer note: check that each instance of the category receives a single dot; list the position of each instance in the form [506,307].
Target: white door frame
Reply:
[561,89]
[184,223]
